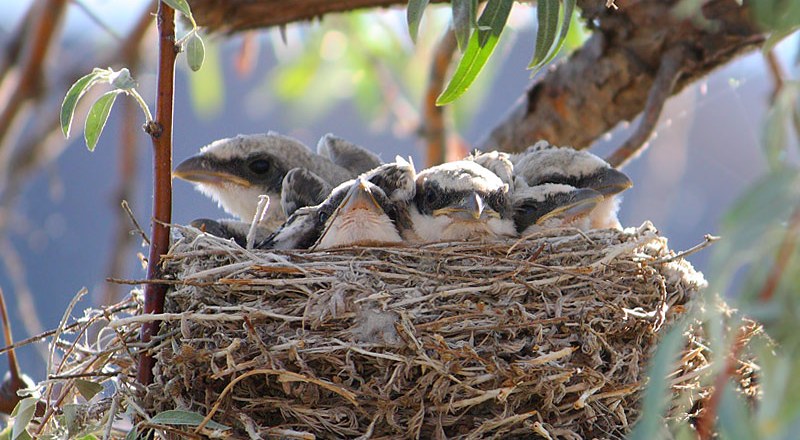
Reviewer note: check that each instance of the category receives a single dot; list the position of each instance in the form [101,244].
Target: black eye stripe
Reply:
[259,166]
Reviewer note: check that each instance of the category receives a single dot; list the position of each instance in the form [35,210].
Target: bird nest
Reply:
[548,335]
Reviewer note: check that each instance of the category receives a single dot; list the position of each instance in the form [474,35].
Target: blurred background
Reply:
[358,76]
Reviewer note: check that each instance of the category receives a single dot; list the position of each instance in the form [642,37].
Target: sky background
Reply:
[707,150]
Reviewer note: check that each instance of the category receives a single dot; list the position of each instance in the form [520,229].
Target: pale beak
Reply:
[359,197]
[470,208]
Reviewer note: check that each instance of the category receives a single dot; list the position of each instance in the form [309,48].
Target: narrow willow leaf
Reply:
[461,22]
[735,420]
[87,388]
[547,16]
[187,418]
[569,7]
[195,52]
[414,15]
[494,17]
[182,6]
[23,414]
[656,394]
[97,117]
[71,99]
[132,434]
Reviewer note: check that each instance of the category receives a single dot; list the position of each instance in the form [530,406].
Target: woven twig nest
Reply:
[547,335]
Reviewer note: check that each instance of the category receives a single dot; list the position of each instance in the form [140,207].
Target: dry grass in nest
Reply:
[549,335]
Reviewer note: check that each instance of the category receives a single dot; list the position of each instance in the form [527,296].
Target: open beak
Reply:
[359,197]
[470,208]
[578,204]
[200,169]
[610,181]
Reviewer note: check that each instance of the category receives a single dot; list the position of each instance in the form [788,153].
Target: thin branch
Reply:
[433,127]
[26,306]
[707,420]
[14,46]
[161,134]
[672,65]
[784,255]
[776,72]
[31,75]
[609,78]
[97,20]
[15,382]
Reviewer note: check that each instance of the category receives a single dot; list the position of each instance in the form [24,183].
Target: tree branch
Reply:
[608,80]
[232,16]
[160,132]
[30,76]
[668,73]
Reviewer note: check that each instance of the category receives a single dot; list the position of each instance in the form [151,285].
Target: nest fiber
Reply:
[545,336]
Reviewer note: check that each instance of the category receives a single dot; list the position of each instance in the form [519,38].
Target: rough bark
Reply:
[609,79]
[232,16]
[605,82]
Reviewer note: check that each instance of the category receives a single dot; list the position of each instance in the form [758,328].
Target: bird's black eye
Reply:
[430,196]
[322,216]
[259,166]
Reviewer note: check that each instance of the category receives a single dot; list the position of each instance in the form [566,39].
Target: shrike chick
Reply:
[235,171]
[544,163]
[553,205]
[460,200]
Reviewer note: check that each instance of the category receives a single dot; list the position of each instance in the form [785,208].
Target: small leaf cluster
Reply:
[120,81]
[477,36]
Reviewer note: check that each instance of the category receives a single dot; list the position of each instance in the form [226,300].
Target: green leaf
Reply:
[414,15]
[98,115]
[71,99]
[186,418]
[195,52]
[547,12]
[182,6]
[569,7]
[494,17]
[87,388]
[462,23]
[656,395]
[735,420]
[23,414]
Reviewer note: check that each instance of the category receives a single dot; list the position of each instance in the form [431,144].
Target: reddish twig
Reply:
[31,72]
[13,48]
[782,258]
[776,72]
[14,382]
[433,127]
[705,426]
[669,71]
[160,132]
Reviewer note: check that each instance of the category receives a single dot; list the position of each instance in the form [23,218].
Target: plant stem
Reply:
[161,134]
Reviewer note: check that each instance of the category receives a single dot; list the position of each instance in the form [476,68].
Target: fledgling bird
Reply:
[235,171]
[460,200]
[369,210]
[553,205]
[545,163]
[347,155]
